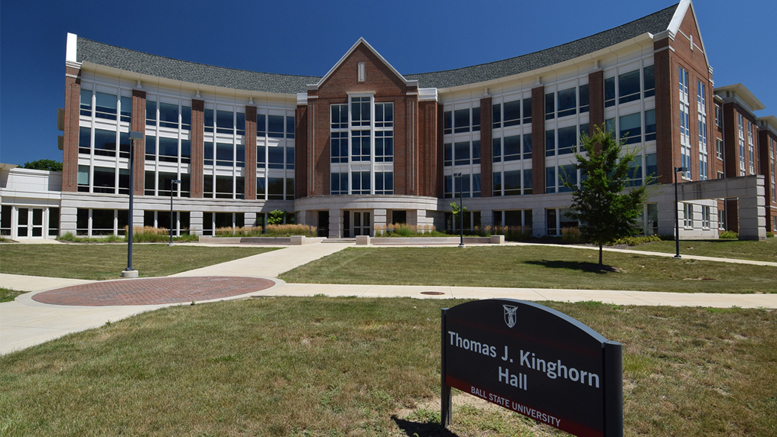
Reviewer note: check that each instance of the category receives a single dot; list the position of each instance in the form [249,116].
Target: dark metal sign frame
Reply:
[535,361]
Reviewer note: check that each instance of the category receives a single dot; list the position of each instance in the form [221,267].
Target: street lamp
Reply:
[173,181]
[461,207]
[129,272]
[676,215]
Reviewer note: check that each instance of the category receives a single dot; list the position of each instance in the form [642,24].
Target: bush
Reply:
[289,230]
[244,231]
[769,234]
[729,235]
[405,230]
[571,235]
[513,233]
[636,241]
[69,237]
[150,234]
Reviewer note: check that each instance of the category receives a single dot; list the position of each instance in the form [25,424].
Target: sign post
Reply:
[535,361]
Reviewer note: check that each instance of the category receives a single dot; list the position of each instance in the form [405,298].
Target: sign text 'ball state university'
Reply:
[535,361]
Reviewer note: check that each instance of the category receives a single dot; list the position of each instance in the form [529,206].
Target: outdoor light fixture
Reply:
[461,207]
[676,215]
[178,182]
[129,272]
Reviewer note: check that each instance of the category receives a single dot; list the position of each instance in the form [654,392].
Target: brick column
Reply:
[70,142]
[138,124]
[538,140]
[301,152]
[486,160]
[427,149]
[440,152]
[667,113]
[250,147]
[198,149]
[595,100]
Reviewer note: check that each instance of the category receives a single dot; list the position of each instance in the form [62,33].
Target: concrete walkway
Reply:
[25,322]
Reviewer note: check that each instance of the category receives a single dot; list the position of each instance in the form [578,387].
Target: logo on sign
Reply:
[510,315]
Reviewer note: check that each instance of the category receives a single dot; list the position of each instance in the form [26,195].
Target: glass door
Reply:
[361,223]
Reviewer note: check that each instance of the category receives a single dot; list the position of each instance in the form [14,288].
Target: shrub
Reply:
[636,241]
[571,235]
[68,236]
[244,231]
[289,230]
[769,234]
[729,235]
[513,233]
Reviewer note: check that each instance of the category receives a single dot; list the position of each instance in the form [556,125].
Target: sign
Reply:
[535,361]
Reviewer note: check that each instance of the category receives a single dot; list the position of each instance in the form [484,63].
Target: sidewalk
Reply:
[25,322]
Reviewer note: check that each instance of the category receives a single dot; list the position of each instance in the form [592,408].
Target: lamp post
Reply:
[461,208]
[676,215]
[172,182]
[129,272]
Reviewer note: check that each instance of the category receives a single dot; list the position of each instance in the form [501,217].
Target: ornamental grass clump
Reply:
[289,230]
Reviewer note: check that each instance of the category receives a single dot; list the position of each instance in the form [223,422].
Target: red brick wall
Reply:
[198,148]
[486,131]
[70,140]
[538,139]
[440,152]
[427,149]
[138,124]
[765,139]
[250,143]
[301,152]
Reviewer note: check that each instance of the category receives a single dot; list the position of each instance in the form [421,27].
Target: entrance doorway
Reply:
[361,223]
[30,222]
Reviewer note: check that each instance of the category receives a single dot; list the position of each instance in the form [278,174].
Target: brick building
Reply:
[365,145]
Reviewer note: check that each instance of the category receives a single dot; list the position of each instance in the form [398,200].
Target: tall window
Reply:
[685,123]
[701,110]
[741,121]
[750,147]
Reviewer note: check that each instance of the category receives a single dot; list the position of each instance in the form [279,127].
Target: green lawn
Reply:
[753,250]
[367,367]
[532,267]
[106,261]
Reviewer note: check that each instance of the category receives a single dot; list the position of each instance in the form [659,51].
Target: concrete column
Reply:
[539,220]
[249,218]
[486,218]
[67,220]
[379,217]
[195,222]
[334,223]
[752,217]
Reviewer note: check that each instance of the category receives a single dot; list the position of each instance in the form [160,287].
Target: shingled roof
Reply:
[160,66]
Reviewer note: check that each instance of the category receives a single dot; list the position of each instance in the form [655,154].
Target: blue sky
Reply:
[308,37]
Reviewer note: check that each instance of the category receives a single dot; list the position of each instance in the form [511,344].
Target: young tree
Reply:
[604,210]
[44,164]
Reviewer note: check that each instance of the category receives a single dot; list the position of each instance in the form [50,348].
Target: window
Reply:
[567,102]
[86,102]
[105,106]
[384,115]
[209,120]
[461,153]
[650,125]
[384,182]
[338,147]
[168,150]
[741,145]
[275,126]
[384,146]
[275,188]
[628,87]
[609,92]
[83,178]
[275,156]
[104,180]
[750,147]
[104,142]
[651,167]
[224,154]
[584,105]
[550,142]
[448,155]
[550,179]
[635,173]
[718,116]
[526,111]
[513,113]
[360,111]
[687,215]
[719,148]
[527,146]
[685,123]
[225,122]
[630,128]
[168,115]
[496,115]
[360,182]
[85,140]
[701,100]
[705,217]
[461,121]
[649,81]
[360,145]
[550,106]
[512,148]
[566,174]
[447,122]
[567,140]
[339,118]
[126,108]
[339,184]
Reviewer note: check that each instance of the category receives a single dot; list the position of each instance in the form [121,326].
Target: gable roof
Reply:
[192,72]
[363,42]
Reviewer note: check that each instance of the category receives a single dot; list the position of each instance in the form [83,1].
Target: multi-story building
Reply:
[365,145]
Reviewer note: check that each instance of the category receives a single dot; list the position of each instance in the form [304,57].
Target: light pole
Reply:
[129,272]
[172,182]
[676,215]
[461,207]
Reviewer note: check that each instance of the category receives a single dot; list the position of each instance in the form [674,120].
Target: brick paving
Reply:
[153,291]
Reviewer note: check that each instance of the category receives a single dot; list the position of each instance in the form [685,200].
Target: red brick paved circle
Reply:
[153,291]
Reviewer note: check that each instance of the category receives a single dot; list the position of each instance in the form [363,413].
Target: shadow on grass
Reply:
[575,265]
[422,429]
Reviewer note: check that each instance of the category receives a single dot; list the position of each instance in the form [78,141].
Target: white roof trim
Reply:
[677,20]
[71,51]
[769,122]
[348,53]
[741,94]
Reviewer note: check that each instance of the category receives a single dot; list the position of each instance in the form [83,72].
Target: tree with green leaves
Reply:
[605,210]
[44,164]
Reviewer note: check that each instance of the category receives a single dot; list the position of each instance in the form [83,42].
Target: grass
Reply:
[752,250]
[532,267]
[367,367]
[106,261]
[7,295]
